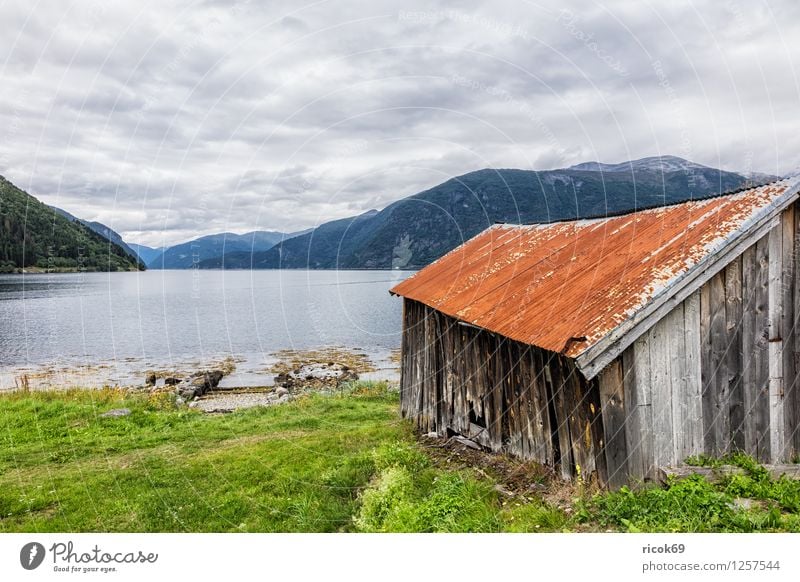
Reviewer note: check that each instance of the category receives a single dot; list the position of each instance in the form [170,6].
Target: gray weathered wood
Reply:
[693,396]
[788,374]
[706,368]
[638,405]
[558,396]
[750,331]
[733,408]
[716,405]
[676,372]
[760,351]
[794,392]
[612,405]
[777,430]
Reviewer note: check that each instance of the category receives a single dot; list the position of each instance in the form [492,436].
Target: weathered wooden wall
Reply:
[505,395]
[716,374]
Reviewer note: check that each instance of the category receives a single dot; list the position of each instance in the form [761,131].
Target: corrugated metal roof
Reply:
[563,286]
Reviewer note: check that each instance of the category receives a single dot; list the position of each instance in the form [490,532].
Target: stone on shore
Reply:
[315,376]
[199,384]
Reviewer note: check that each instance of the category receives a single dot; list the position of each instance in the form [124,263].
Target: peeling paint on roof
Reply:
[564,286]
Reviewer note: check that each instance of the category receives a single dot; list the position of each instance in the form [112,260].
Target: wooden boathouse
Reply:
[619,345]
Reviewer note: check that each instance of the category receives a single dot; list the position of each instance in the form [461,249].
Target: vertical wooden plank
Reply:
[795,393]
[706,369]
[429,382]
[661,398]
[733,359]
[611,387]
[760,347]
[677,375]
[693,395]
[749,326]
[449,373]
[777,427]
[557,391]
[639,425]
[514,422]
[457,374]
[716,397]
[595,419]
[527,416]
[572,406]
[791,419]
[513,431]
[542,442]
[580,418]
[498,345]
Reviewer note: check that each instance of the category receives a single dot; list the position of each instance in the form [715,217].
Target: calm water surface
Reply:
[127,321]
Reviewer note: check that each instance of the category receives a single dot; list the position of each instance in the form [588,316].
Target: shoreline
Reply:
[242,371]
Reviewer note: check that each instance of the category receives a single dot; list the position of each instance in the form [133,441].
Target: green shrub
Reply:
[689,504]
[402,501]
[388,500]
[400,454]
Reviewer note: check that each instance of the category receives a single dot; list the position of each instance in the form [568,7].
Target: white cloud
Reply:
[168,120]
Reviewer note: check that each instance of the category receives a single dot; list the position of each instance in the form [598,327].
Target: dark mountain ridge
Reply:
[417,230]
[212,247]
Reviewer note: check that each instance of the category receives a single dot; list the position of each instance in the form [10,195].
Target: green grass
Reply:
[321,463]
[297,467]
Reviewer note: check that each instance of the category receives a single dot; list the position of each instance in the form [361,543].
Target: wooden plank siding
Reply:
[717,373]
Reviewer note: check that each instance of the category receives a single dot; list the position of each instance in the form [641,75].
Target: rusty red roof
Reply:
[564,286]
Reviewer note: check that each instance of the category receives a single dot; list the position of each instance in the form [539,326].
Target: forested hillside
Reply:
[34,236]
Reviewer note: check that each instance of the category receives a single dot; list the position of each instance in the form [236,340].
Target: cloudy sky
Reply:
[166,120]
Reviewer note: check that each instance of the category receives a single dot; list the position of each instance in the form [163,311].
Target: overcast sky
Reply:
[167,120]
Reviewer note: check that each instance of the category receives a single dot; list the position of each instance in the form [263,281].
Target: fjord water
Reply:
[166,316]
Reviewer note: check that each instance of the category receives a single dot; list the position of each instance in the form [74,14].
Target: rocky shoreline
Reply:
[304,372]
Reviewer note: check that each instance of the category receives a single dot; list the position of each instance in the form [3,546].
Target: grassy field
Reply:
[320,463]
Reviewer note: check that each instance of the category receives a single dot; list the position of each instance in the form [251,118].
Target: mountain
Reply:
[214,246]
[655,163]
[419,229]
[101,229]
[35,236]
[145,253]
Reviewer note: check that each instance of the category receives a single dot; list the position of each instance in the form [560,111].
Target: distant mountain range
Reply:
[213,247]
[36,237]
[407,234]
[417,230]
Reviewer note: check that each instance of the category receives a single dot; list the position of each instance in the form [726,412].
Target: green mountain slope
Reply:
[419,229]
[105,231]
[35,236]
